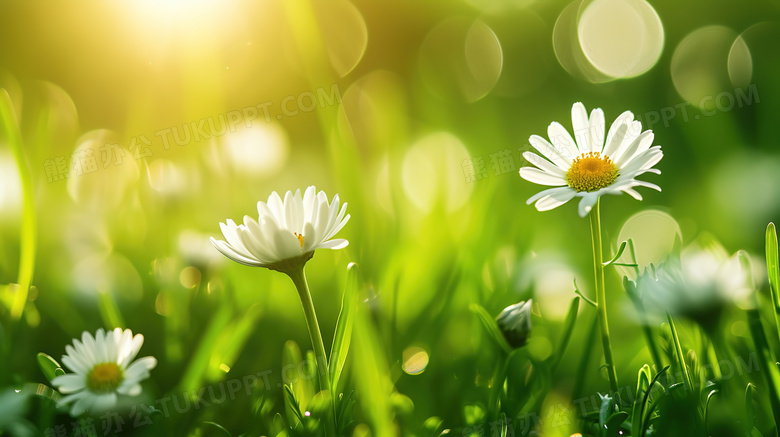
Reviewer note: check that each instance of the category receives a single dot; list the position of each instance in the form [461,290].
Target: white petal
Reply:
[580,127]
[555,199]
[537,176]
[633,193]
[640,144]
[338,243]
[276,206]
[543,164]
[550,152]
[287,246]
[229,252]
[597,130]
[559,193]
[586,204]
[69,383]
[614,139]
[130,389]
[560,137]
[624,118]
[140,368]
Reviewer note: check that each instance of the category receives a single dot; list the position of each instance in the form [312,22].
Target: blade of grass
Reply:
[343,335]
[568,329]
[10,127]
[771,372]
[109,311]
[678,352]
[773,272]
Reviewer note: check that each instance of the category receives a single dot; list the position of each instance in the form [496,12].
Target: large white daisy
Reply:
[285,230]
[590,167]
[103,368]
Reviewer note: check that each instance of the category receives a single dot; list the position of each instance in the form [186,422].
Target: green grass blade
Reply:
[343,335]
[109,311]
[773,271]
[678,351]
[49,366]
[491,327]
[10,127]
[568,329]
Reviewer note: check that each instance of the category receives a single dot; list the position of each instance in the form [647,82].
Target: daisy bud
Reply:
[515,323]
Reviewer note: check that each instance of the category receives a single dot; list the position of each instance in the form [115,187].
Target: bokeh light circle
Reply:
[703,62]
[432,174]
[344,33]
[621,38]
[654,233]
[461,57]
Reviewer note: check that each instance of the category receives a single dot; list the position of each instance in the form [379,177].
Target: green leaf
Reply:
[109,311]
[679,353]
[710,395]
[294,415]
[219,427]
[28,232]
[585,298]
[615,421]
[617,255]
[491,327]
[773,271]
[605,410]
[568,329]
[49,366]
[343,335]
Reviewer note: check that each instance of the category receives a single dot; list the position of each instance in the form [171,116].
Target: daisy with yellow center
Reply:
[590,167]
[286,231]
[283,238]
[103,369]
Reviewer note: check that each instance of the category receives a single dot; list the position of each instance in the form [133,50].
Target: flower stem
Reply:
[299,279]
[601,297]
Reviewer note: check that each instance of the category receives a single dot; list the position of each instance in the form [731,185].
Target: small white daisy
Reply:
[285,230]
[102,370]
[590,167]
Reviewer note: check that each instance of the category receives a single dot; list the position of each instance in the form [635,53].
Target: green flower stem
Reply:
[299,279]
[601,297]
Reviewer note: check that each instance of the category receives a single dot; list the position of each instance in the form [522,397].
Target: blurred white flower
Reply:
[285,230]
[515,323]
[589,167]
[697,284]
[103,369]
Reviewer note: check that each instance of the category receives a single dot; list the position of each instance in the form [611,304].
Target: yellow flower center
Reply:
[300,238]
[105,377]
[591,172]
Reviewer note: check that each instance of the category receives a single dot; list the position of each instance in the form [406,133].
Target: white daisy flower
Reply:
[285,230]
[590,167]
[102,370]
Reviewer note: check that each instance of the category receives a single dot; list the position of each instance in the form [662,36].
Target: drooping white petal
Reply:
[337,243]
[586,204]
[69,383]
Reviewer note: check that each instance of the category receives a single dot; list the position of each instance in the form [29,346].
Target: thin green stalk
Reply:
[299,279]
[28,232]
[601,295]
[678,351]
